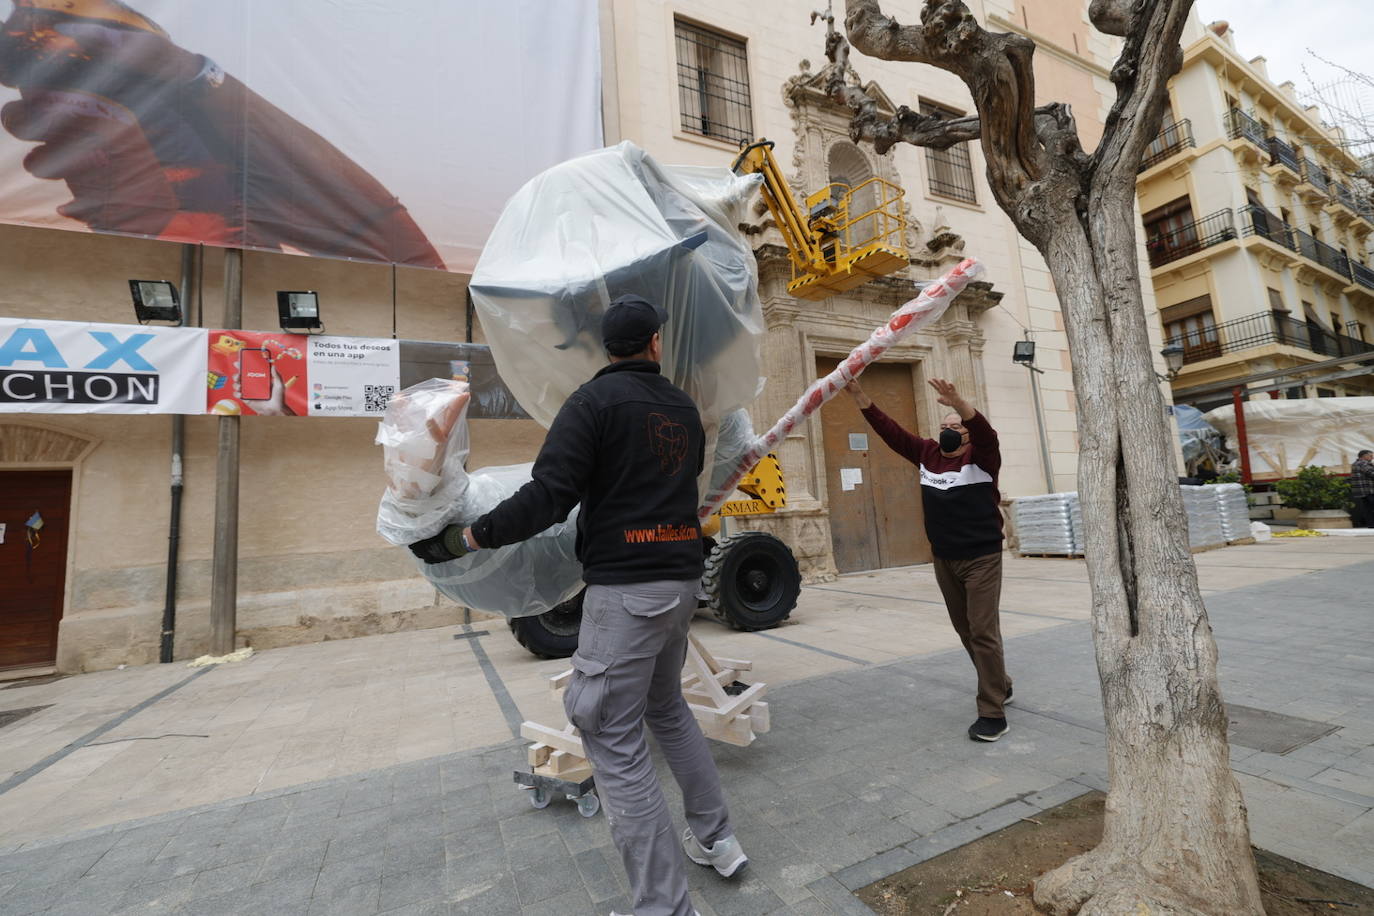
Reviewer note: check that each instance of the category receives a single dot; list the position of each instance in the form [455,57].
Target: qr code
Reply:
[375,397]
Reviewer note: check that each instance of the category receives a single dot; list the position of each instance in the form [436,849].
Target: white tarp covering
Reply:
[388,132]
[1285,435]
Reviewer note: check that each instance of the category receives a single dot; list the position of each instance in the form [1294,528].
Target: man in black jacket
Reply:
[628,446]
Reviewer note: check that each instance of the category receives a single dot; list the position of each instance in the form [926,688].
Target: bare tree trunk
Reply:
[1176,839]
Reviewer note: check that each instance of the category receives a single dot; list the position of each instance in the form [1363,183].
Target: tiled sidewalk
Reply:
[866,771]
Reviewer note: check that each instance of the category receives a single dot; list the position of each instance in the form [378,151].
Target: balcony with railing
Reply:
[1263,329]
[1344,196]
[1362,275]
[1314,249]
[1280,153]
[1172,138]
[1190,238]
[1259,221]
[1313,175]
[1240,124]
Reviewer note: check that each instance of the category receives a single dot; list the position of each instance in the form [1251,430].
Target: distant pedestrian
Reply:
[1362,489]
[963,519]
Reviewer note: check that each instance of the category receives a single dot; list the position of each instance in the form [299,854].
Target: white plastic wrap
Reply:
[1204,516]
[614,222]
[1234,508]
[424,439]
[1285,435]
[1052,523]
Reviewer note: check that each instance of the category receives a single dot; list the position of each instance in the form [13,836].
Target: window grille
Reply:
[713,84]
[950,170]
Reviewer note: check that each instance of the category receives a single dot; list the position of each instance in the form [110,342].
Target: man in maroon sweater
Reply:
[964,524]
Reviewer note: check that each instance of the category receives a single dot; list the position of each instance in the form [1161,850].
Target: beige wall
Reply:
[311,563]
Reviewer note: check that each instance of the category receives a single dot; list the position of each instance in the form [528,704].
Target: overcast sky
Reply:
[1338,30]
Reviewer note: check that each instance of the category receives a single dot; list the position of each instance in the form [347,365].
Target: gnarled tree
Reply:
[1176,839]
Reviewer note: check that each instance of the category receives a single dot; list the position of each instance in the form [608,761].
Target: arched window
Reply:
[849,167]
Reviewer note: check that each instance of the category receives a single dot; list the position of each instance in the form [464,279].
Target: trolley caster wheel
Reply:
[588,805]
[539,798]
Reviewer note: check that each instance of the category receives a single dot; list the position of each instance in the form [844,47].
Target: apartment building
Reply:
[1258,232]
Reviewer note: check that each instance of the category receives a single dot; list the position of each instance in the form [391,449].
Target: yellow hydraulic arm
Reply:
[845,237]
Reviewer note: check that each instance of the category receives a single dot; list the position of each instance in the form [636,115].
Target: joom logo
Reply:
[47,379]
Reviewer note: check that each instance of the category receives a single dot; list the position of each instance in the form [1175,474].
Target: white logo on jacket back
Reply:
[967,475]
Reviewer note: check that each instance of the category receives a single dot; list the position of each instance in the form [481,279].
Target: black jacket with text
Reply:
[628,445]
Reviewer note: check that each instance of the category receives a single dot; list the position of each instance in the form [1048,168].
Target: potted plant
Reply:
[1322,499]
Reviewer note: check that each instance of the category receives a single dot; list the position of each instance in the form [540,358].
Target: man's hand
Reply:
[948,395]
[857,393]
[449,544]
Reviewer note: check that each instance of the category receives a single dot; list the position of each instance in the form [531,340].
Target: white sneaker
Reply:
[725,856]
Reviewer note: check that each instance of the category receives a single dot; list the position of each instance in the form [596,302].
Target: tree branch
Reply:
[996,68]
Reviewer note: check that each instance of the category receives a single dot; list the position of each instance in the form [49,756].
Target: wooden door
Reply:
[877,522]
[32,575]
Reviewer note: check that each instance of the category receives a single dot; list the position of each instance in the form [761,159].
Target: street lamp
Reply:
[1023,352]
[1173,361]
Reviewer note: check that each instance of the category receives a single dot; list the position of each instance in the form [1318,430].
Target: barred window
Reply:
[713,84]
[950,170]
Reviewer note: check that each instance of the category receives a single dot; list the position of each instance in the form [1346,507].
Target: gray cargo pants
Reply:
[628,671]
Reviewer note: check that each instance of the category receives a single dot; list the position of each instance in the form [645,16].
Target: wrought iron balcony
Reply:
[1212,229]
[1240,124]
[1343,195]
[1313,174]
[1265,328]
[1362,275]
[1172,138]
[1281,153]
[1315,249]
[1365,208]
[1259,221]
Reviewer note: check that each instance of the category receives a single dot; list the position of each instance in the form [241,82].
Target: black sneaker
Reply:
[986,729]
[1007,698]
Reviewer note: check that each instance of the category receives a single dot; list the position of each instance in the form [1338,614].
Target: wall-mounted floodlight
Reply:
[155,300]
[1023,352]
[298,309]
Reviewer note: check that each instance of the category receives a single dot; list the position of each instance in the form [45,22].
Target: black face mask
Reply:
[950,439]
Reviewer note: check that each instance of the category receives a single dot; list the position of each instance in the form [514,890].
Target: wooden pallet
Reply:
[726,711]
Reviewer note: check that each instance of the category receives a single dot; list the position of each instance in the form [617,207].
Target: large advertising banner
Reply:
[265,373]
[81,367]
[390,132]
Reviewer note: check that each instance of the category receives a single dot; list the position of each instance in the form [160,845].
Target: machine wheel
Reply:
[539,798]
[588,805]
[752,581]
[552,634]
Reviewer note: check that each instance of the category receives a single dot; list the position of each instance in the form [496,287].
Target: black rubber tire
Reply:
[552,634]
[752,581]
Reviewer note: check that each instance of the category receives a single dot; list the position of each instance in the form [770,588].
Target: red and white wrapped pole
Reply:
[920,312]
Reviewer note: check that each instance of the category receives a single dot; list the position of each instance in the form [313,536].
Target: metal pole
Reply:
[169,606]
[1040,422]
[225,569]
[1242,441]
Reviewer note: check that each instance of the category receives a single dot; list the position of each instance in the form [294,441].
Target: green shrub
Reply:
[1314,488]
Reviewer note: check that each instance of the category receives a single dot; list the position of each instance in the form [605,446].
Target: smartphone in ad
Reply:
[255,374]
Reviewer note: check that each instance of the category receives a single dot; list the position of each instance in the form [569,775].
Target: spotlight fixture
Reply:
[155,300]
[298,309]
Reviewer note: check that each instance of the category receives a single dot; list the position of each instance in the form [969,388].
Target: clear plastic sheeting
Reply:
[614,222]
[1286,435]
[425,444]
[1050,524]
[1200,442]
[1233,506]
[1204,516]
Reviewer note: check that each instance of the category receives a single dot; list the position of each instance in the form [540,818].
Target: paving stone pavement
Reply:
[866,772]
